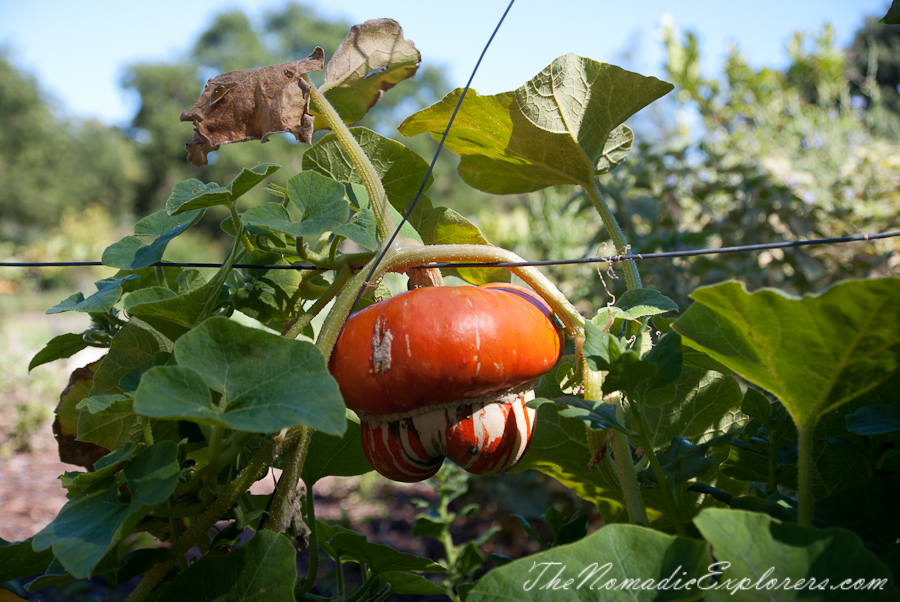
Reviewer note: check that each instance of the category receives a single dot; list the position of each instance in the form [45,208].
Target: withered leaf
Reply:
[373,58]
[252,104]
[72,451]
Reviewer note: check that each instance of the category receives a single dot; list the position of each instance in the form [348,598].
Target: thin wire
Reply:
[437,153]
[609,259]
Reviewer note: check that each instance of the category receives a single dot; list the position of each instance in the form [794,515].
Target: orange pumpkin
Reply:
[446,371]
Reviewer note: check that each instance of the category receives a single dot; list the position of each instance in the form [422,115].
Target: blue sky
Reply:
[78,50]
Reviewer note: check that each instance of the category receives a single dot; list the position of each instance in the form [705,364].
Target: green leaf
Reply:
[90,525]
[361,229]
[373,58]
[134,349]
[59,347]
[330,455]
[262,570]
[360,197]
[813,353]
[317,218]
[683,460]
[380,558]
[401,170]
[409,583]
[177,393]
[756,405]
[267,382]
[874,420]
[616,149]
[131,253]
[193,194]
[109,291]
[274,295]
[706,404]
[598,415]
[189,308]
[428,525]
[151,294]
[633,305]
[642,302]
[248,178]
[105,404]
[601,349]
[666,356]
[77,483]
[617,562]
[553,130]
[443,226]
[760,547]
[19,560]
[893,15]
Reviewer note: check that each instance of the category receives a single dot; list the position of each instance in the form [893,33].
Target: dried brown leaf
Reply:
[252,104]
[72,451]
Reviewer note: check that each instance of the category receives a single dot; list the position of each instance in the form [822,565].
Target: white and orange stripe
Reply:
[483,436]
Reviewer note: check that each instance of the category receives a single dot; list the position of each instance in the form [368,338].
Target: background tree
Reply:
[66,163]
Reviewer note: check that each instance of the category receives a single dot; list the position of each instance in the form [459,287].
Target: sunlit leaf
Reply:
[373,58]
[553,130]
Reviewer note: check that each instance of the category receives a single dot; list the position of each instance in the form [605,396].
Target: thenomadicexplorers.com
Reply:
[593,577]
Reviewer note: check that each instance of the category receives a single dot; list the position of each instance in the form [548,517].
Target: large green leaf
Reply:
[553,130]
[89,525]
[760,548]
[193,194]
[706,404]
[262,570]
[813,353]
[267,382]
[318,218]
[617,562]
[373,58]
